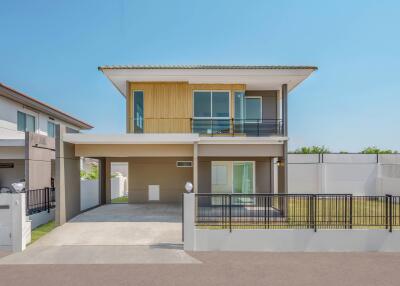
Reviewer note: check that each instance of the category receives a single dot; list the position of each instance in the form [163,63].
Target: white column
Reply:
[20,228]
[60,212]
[189,220]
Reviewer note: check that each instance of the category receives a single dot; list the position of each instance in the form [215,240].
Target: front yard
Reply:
[42,230]
[120,200]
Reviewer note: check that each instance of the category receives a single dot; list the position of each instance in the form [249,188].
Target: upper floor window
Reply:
[71,130]
[138,111]
[247,108]
[51,129]
[253,109]
[26,122]
[211,104]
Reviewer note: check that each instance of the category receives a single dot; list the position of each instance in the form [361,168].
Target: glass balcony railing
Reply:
[211,127]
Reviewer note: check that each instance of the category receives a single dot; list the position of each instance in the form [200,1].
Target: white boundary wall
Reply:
[90,194]
[43,217]
[118,187]
[286,240]
[15,227]
[358,174]
[292,240]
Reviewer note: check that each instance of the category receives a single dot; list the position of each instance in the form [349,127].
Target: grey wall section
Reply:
[269,102]
[39,152]
[12,175]
[72,184]
[263,172]
[241,150]
[153,171]
[67,180]
[158,171]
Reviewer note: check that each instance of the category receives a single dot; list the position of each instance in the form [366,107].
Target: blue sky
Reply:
[51,50]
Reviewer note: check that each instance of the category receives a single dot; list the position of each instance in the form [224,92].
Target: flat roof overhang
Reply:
[170,138]
[254,77]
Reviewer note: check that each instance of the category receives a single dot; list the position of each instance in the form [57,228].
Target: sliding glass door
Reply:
[243,177]
[232,177]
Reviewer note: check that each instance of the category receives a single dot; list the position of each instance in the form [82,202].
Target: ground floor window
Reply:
[233,177]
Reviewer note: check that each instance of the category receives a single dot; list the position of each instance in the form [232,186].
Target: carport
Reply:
[112,234]
[153,164]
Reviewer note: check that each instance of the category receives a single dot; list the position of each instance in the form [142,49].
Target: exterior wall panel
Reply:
[168,106]
[133,150]
[241,150]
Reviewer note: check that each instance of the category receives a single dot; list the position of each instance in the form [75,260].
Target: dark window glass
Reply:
[51,129]
[202,104]
[220,104]
[21,121]
[138,111]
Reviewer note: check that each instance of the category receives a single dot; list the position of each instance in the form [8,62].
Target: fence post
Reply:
[48,199]
[230,213]
[315,212]
[390,202]
[265,212]
[386,212]
[351,211]
[27,202]
[269,205]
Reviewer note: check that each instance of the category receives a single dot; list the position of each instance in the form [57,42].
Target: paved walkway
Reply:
[112,234]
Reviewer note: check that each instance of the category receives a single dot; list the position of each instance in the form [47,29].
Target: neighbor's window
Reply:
[25,122]
[51,129]
[71,130]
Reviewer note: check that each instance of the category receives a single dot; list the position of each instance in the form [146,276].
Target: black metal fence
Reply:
[297,211]
[40,200]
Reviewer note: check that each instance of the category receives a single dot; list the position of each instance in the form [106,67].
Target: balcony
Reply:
[211,127]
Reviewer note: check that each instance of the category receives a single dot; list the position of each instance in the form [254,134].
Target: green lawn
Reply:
[120,200]
[42,230]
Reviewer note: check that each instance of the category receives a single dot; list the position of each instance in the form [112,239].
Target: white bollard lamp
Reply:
[189,187]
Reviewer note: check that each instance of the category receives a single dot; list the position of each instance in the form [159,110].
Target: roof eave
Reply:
[33,103]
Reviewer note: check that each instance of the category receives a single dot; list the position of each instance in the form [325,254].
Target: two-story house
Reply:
[21,115]
[223,128]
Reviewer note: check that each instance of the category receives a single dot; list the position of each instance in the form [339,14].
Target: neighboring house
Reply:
[224,128]
[26,126]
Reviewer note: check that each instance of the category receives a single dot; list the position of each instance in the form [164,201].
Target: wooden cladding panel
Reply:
[167,125]
[168,105]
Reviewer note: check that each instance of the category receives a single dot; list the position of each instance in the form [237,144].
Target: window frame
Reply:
[232,173]
[133,110]
[25,114]
[253,121]
[211,103]
[49,122]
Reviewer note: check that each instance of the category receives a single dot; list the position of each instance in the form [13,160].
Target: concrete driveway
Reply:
[117,233]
